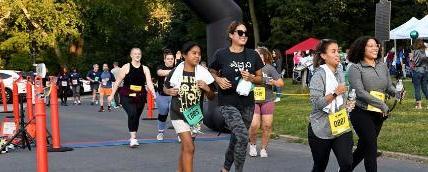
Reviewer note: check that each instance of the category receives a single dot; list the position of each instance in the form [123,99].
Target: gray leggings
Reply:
[238,121]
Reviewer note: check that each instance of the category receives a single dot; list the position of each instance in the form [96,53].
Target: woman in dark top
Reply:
[420,71]
[232,65]
[187,83]
[63,82]
[133,93]
[370,78]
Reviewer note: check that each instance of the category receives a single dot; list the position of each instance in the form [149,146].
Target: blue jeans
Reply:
[420,81]
[278,91]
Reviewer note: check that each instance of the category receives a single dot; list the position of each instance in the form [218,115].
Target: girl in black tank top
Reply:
[134,83]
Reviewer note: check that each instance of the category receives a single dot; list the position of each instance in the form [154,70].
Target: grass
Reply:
[406,130]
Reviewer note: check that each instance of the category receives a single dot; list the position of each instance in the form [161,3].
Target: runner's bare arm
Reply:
[149,81]
[222,82]
[120,76]
[161,72]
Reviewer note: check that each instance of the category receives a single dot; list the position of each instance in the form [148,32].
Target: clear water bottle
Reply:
[399,89]
[352,96]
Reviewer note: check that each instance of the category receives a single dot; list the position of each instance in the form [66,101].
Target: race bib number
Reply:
[97,78]
[9,128]
[74,81]
[193,115]
[339,122]
[64,83]
[378,95]
[135,88]
[259,93]
[104,81]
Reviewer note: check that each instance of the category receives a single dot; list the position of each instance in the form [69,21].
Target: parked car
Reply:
[8,76]
[85,87]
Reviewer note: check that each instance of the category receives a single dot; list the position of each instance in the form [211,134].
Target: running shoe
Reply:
[109,108]
[160,136]
[263,153]
[101,109]
[277,99]
[133,143]
[253,150]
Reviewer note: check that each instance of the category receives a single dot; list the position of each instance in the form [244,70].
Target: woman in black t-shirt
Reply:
[187,83]
[231,66]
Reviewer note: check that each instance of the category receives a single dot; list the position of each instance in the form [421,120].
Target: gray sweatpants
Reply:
[238,121]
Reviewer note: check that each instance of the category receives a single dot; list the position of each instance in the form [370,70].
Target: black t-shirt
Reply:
[161,79]
[229,65]
[94,76]
[75,78]
[188,95]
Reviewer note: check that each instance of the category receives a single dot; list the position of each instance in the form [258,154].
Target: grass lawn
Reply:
[406,130]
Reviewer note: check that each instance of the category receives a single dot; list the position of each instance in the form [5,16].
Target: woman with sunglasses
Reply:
[232,65]
[327,90]
[370,78]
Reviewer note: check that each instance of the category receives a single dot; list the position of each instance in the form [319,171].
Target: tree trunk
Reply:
[255,23]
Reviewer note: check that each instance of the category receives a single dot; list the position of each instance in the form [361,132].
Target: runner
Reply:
[94,77]
[133,93]
[63,85]
[75,86]
[115,72]
[163,100]
[265,105]
[327,90]
[370,78]
[187,83]
[233,65]
[107,80]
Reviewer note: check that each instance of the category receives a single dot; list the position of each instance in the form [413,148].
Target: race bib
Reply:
[259,93]
[74,81]
[64,83]
[339,122]
[193,115]
[9,128]
[97,78]
[104,81]
[378,95]
[135,88]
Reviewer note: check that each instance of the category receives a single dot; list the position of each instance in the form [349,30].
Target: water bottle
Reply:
[351,100]
[399,89]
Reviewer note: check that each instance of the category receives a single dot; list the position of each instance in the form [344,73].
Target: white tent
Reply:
[421,27]
[402,31]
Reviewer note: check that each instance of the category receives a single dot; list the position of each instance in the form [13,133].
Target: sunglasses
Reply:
[242,33]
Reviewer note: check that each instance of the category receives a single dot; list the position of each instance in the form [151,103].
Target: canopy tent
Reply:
[308,44]
[399,32]
[421,27]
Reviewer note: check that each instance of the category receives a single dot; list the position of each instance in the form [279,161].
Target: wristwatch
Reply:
[334,95]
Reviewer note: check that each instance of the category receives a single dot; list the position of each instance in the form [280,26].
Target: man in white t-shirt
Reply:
[115,72]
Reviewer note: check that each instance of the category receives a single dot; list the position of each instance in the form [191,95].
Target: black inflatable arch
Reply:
[217,14]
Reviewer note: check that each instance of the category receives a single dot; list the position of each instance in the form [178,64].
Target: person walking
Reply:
[327,91]
[235,69]
[370,78]
[76,82]
[63,83]
[420,71]
[107,79]
[265,105]
[115,72]
[187,84]
[133,95]
[94,77]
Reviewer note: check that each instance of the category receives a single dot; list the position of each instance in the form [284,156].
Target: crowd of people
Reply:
[248,83]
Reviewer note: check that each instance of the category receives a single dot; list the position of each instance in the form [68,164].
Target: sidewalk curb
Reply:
[395,155]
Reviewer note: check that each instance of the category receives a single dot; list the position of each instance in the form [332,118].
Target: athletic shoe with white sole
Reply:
[263,153]
[253,150]
[159,137]
[133,143]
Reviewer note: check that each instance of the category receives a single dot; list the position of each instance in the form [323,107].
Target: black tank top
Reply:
[135,76]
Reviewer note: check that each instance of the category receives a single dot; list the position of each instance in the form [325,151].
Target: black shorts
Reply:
[95,86]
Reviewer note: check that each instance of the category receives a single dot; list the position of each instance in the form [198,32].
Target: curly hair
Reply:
[322,49]
[358,49]
[267,56]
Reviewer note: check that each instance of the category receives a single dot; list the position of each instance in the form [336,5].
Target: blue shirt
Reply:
[107,79]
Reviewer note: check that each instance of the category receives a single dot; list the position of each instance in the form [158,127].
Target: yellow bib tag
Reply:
[379,96]
[339,122]
[259,93]
[135,88]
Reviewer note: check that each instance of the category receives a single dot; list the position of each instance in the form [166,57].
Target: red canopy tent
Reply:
[308,44]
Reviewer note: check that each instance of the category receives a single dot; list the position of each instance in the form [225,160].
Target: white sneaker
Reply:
[96,102]
[75,102]
[133,143]
[159,137]
[178,139]
[253,150]
[277,99]
[263,153]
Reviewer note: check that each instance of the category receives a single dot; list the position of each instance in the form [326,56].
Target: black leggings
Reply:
[63,94]
[367,125]
[133,110]
[320,148]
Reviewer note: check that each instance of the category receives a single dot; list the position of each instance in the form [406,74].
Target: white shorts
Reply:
[180,126]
